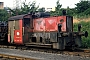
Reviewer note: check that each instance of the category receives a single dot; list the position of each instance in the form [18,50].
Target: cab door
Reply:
[15,32]
[11,31]
[18,32]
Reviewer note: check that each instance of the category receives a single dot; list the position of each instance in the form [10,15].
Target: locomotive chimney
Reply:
[64,12]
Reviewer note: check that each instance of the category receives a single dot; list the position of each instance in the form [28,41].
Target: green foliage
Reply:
[82,9]
[41,9]
[30,7]
[25,8]
[71,11]
[3,15]
[85,27]
[14,12]
[58,10]
[52,13]
[58,5]
[87,12]
[82,6]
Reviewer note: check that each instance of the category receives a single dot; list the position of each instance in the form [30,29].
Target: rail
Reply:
[12,57]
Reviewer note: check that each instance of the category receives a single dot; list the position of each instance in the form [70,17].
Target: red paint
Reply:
[39,24]
[8,34]
[49,24]
[17,37]
[63,23]
[18,34]
[9,38]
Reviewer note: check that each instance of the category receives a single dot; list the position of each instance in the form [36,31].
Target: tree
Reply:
[71,11]
[14,12]
[82,6]
[33,7]
[58,5]
[87,12]
[58,8]
[3,15]
[25,8]
[41,9]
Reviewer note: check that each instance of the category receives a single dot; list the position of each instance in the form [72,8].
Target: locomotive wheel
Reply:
[73,48]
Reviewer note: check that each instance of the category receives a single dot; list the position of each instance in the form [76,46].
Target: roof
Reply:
[18,17]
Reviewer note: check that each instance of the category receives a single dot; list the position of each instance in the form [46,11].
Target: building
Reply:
[50,9]
[1,5]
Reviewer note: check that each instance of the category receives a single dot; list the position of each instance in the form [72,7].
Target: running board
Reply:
[39,45]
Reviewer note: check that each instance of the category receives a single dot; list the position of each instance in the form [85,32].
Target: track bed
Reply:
[64,55]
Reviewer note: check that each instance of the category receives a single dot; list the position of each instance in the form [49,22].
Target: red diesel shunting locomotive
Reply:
[44,31]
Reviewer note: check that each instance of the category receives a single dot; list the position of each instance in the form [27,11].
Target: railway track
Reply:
[12,57]
[78,52]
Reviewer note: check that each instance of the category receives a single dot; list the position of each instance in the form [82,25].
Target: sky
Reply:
[44,3]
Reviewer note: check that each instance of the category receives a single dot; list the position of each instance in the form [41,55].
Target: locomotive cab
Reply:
[18,28]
